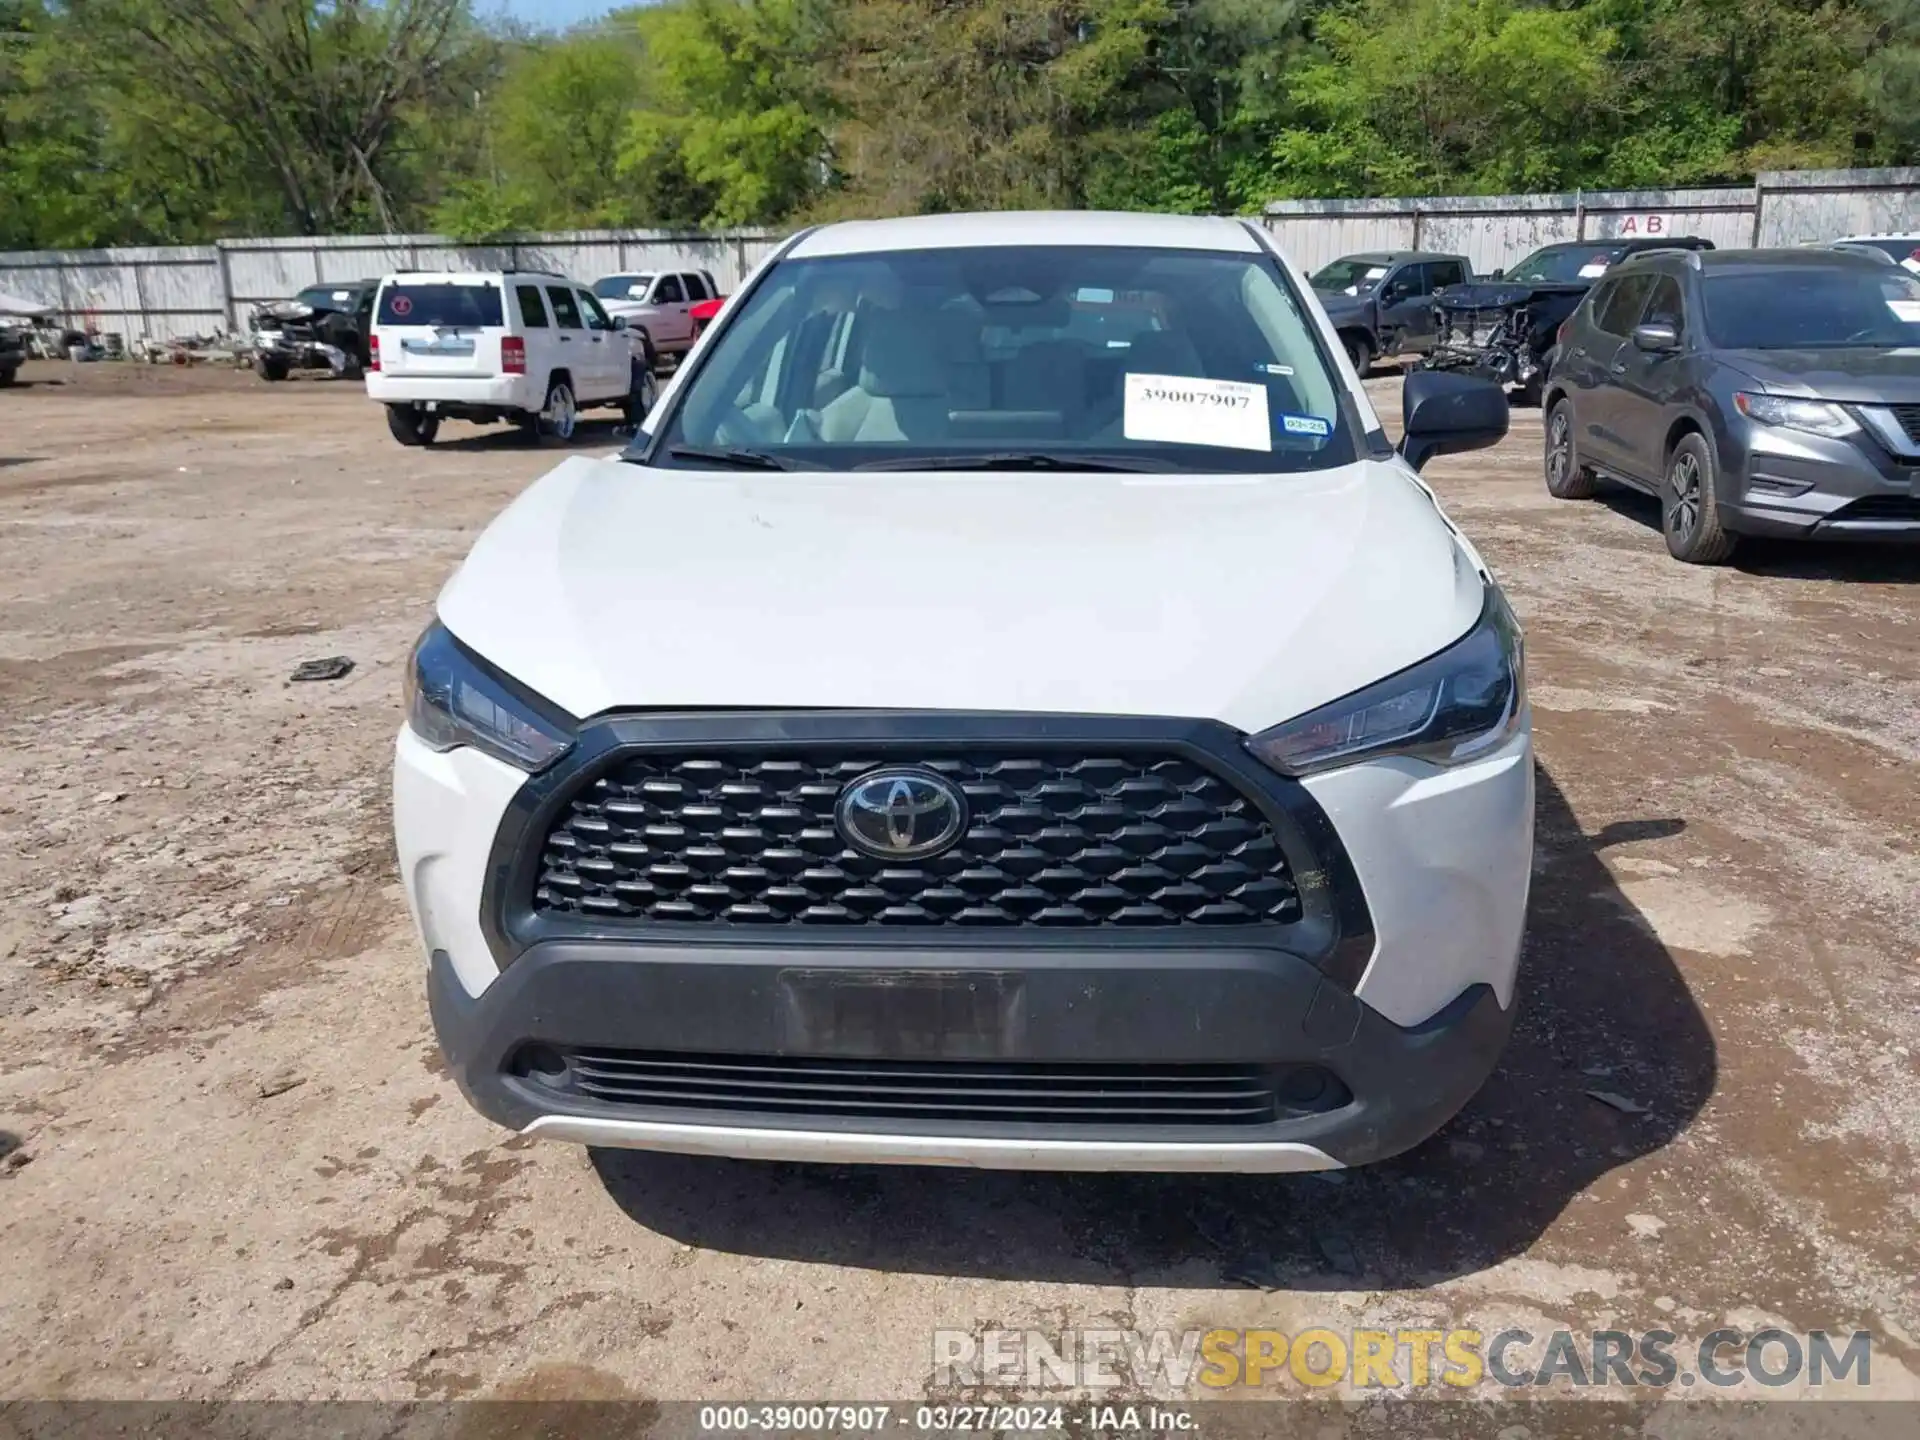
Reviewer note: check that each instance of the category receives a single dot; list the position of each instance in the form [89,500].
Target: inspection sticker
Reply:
[1181,410]
[1306,425]
[1908,310]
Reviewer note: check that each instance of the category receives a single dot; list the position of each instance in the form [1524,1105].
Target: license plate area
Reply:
[455,346]
[904,1014]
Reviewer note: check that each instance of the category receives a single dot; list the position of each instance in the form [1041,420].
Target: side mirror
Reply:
[1498,272]
[619,322]
[1657,339]
[1445,413]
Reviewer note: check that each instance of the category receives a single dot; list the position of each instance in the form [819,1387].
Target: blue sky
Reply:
[554,14]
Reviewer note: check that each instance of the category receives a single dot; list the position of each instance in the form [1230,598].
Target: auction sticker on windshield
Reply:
[1182,410]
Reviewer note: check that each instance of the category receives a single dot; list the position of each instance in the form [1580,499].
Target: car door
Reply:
[536,333]
[1647,383]
[569,336]
[1406,309]
[1612,316]
[673,322]
[606,346]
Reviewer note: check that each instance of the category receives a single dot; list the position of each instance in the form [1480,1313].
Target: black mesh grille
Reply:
[1882,507]
[985,1091]
[1909,418]
[1116,838]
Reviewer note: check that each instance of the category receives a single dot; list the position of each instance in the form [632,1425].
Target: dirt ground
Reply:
[234,1167]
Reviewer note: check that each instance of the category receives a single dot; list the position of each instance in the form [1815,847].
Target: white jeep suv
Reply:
[1012,706]
[532,348]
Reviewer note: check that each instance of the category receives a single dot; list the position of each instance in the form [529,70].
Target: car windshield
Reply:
[1065,356]
[1352,275]
[1564,264]
[326,297]
[1809,308]
[622,287]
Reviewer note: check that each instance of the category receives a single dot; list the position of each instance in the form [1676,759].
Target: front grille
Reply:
[1127,838]
[1881,507]
[1909,418]
[998,1092]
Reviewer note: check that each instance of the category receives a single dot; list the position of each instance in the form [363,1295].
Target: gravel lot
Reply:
[234,1167]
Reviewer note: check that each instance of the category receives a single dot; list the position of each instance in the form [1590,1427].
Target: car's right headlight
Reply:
[454,699]
[1447,709]
[1816,417]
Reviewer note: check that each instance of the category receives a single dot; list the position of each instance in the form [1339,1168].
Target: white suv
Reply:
[489,346]
[1013,706]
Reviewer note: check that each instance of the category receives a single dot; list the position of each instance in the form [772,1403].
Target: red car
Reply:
[704,312]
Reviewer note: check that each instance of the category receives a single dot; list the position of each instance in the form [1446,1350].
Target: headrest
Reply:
[1162,352]
[900,357]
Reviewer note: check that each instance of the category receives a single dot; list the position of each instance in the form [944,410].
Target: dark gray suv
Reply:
[1755,392]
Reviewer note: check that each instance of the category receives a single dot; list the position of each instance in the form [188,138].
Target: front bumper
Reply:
[1793,485]
[1396,1038]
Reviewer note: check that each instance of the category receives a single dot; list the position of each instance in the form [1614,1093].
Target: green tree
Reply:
[734,131]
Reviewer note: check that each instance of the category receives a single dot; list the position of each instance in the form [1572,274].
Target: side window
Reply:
[696,288]
[1446,272]
[533,313]
[1406,283]
[596,317]
[1664,306]
[1619,311]
[565,313]
[668,291]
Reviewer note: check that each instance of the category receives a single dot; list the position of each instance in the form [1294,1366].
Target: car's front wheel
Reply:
[411,425]
[1567,478]
[270,367]
[1689,510]
[1360,353]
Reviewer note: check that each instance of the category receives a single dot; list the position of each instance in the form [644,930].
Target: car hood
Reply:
[1247,599]
[1498,294]
[1334,301]
[1849,373]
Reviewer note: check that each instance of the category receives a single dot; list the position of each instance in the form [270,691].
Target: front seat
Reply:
[902,394]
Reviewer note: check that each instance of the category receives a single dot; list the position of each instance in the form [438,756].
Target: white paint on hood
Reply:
[1247,599]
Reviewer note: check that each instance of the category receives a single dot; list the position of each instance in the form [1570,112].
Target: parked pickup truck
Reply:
[1381,303]
[659,307]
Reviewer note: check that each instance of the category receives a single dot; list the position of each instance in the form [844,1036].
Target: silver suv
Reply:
[1754,392]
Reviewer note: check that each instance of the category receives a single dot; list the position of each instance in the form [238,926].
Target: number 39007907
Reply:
[1196,397]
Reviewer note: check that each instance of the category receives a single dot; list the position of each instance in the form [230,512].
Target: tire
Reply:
[411,426]
[1689,509]
[560,416]
[7,372]
[649,356]
[1529,393]
[1360,353]
[270,367]
[1567,479]
[642,391]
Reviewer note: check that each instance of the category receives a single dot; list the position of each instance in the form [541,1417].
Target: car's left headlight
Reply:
[454,698]
[1816,417]
[1447,709]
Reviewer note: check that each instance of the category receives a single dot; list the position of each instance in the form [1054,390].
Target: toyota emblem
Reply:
[901,813]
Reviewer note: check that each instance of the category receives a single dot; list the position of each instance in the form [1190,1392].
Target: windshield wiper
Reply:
[1018,460]
[742,459]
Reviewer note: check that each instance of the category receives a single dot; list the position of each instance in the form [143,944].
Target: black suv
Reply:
[1755,392]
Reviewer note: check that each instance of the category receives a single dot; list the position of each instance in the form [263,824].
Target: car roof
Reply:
[1797,258]
[457,277]
[1895,235]
[1027,227]
[1394,257]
